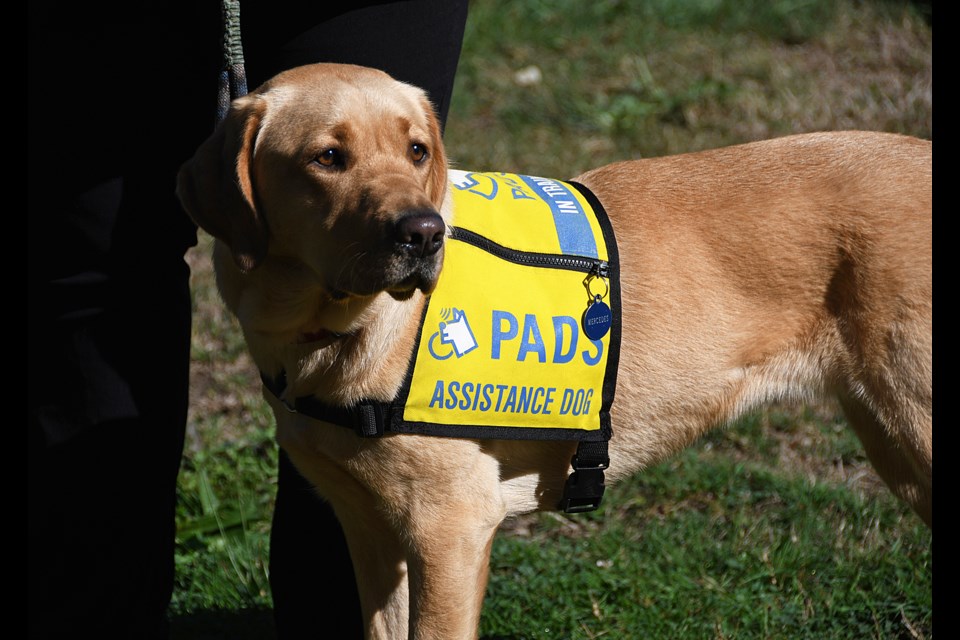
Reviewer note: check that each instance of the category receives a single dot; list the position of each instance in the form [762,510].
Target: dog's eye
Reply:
[329,158]
[418,152]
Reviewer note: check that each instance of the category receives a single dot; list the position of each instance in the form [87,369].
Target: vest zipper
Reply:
[529,258]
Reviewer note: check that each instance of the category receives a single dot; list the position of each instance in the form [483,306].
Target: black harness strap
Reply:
[584,488]
[370,419]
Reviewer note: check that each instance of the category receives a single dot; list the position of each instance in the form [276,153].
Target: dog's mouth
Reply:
[419,280]
[402,290]
[401,279]
[402,295]
[408,258]
[351,300]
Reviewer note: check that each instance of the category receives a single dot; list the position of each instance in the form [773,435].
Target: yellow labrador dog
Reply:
[767,271]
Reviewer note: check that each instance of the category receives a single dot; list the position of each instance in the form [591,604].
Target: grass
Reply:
[773,528]
[720,542]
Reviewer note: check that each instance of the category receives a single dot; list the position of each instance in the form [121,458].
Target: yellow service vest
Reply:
[521,337]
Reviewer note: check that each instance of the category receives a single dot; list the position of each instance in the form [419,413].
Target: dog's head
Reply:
[339,167]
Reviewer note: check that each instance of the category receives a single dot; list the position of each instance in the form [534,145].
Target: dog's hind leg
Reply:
[903,460]
[881,298]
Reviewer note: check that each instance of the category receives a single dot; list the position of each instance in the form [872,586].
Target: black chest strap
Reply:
[368,418]
[583,490]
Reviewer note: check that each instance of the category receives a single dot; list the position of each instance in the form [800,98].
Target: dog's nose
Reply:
[421,233]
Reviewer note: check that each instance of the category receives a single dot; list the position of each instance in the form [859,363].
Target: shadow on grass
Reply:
[250,624]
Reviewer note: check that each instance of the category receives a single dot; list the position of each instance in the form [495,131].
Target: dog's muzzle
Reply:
[418,242]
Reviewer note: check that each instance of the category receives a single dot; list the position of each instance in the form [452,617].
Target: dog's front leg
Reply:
[422,575]
[327,457]
[419,515]
[447,580]
[444,499]
[380,567]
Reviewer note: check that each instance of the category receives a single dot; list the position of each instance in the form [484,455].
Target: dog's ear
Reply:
[216,185]
[437,184]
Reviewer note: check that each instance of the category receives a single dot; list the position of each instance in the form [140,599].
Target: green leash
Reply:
[233,76]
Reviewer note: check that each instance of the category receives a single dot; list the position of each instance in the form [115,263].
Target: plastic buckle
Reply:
[584,489]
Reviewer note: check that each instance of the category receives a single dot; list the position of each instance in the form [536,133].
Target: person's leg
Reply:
[117,100]
[101,531]
[416,42]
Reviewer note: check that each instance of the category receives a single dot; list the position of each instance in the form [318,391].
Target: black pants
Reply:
[120,94]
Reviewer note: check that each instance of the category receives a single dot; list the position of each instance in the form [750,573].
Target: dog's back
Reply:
[779,270]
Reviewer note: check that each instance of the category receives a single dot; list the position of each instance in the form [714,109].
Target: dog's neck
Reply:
[368,362]
[338,349]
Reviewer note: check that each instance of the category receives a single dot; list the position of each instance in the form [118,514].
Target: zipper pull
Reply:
[602,269]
